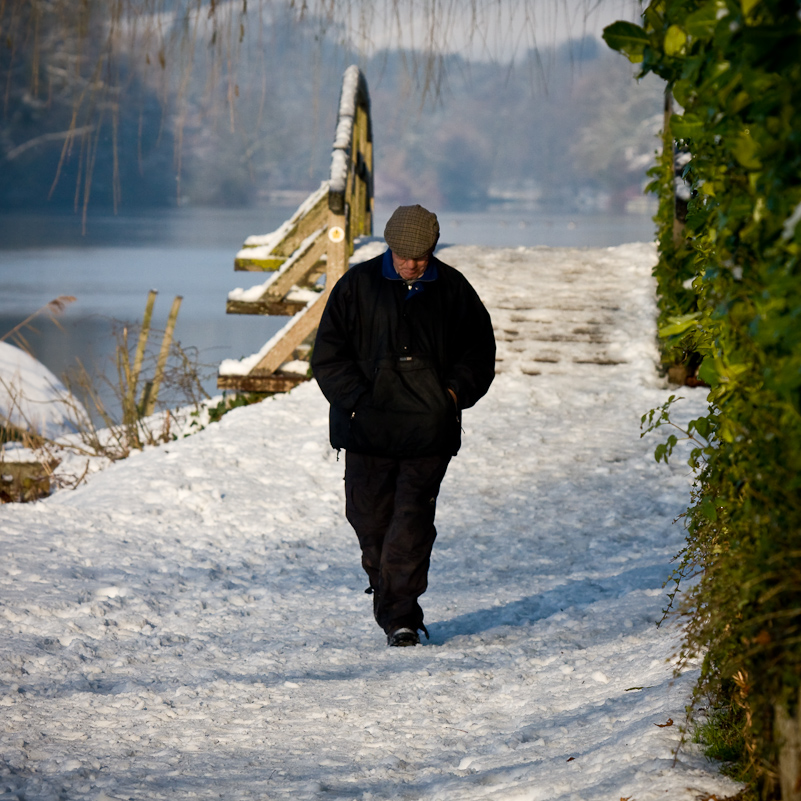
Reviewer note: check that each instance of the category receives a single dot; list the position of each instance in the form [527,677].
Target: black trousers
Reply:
[391,505]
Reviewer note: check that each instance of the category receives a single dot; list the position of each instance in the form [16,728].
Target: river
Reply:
[190,252]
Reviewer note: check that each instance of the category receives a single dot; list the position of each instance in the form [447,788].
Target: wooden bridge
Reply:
[310,248]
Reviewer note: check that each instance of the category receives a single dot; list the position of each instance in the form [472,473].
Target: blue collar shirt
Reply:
[415,287]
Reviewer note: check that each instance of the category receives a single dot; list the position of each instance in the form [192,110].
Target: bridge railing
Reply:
[317,240]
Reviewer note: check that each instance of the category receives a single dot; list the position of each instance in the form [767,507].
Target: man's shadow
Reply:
[577,594]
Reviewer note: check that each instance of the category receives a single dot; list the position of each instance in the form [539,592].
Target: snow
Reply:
[191,622]
[296,295]
[297,366]
[340,155]
[32,398]
[340,161]
[350,86]
[343,133]
[367,247]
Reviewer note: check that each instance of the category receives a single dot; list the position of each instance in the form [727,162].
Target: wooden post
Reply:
[143,335]
[132,374]
[679,206]
[368,158]
[358,194]
[338,249]
[124,378]
[787,731]
[151,393]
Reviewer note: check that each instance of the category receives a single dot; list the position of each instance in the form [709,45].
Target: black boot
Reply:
[402,637]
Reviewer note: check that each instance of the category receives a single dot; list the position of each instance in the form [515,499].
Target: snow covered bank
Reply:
[191,623]
[32,398]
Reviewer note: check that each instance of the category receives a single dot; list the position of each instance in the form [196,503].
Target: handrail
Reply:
[297,251]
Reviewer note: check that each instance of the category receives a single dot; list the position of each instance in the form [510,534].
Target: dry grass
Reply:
[99,433]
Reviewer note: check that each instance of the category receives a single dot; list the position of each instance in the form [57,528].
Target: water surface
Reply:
[189,252]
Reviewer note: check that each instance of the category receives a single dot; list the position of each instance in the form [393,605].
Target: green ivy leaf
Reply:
[701,24]
[654,16]
[686,126]
[678,325]
[702,425]
[675,39]
[708,373]
[627,38]
[745,150]
[708,510]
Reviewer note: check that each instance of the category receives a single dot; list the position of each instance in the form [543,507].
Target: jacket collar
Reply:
[415,287]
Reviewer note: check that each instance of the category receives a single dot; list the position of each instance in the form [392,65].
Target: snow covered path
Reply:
[191,623]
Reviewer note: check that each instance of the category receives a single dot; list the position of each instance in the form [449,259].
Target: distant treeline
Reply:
[564,128]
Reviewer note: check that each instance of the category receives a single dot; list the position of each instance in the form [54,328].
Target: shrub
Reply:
[735,68]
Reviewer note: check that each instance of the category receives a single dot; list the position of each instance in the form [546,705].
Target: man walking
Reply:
[403,346]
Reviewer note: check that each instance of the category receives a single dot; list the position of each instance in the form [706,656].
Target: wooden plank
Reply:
[280,308]
[358,201]
[296,330]
[304,261]
[368,157]
[277,382]
[302,266]
[298,228]
[252,265]
[305,227]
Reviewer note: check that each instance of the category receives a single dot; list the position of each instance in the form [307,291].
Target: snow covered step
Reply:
[566,312]
[256,373]
[268,252]
[279,294]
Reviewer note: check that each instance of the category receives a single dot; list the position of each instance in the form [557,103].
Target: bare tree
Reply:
[78,72]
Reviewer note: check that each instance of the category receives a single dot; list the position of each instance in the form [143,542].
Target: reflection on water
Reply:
[190,252]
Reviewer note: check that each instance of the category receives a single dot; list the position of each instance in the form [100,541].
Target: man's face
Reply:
[410,269]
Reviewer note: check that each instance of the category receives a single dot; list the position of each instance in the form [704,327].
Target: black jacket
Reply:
[385,357]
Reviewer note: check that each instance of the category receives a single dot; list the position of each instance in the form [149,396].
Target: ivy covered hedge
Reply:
[730,292]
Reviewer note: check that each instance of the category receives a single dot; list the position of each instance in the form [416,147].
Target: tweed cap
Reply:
[412,231]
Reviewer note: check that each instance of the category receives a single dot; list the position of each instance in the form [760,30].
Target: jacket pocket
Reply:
[408,413]
[410,386]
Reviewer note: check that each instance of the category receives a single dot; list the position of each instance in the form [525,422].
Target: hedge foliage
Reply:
[730,292]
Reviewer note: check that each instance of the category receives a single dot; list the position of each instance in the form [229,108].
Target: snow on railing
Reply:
[353,98]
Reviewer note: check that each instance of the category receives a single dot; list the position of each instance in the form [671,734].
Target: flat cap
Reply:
[412,231]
